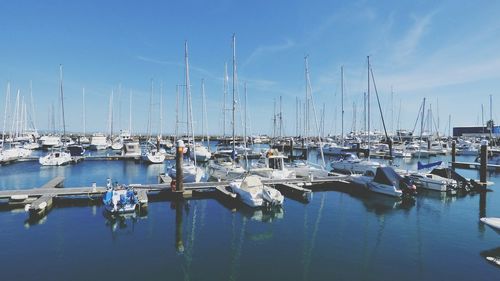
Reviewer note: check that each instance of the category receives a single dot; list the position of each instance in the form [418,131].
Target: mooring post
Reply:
[179,175]
[291,149]
[484,163]
[453,154]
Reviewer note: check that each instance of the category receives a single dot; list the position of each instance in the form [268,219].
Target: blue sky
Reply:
[446,51]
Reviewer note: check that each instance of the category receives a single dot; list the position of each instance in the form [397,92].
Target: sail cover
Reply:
[427,166]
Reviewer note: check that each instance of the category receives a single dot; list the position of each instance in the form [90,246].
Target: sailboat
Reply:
[226,168]
[154,154]
[60,157]
[192,173]
[350,163]
[198,150]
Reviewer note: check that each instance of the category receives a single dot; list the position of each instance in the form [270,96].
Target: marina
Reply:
[182,223]
[229,140]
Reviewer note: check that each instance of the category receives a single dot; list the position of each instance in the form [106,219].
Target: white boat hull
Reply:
[492,222]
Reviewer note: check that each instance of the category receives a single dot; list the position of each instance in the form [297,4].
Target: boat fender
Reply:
[172,185]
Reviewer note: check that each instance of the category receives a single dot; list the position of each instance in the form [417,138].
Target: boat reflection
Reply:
[492,256]
[123,224]
[267,214]
[379,204]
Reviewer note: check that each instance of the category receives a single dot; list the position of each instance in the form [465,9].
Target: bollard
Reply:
[453,154]
[484,162]
[179,175]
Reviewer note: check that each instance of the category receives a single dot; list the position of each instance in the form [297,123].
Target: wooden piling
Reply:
[179,175]
[179,244]
[453,154]
[484,163]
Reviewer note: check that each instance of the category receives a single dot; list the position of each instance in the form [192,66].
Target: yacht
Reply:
[223,168]
[55,158]
[305,169]
[272,167]
[254,193]
[99,142]
[50,141]
[201,153]
[131,149]
[191,172]
[351,164]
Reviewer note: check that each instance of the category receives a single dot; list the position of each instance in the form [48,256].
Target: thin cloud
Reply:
[199,70]
[263,50]
[407,45]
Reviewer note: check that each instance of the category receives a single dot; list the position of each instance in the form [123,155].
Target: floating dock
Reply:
[39,201]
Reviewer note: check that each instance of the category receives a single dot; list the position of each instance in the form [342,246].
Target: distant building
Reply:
[476,131]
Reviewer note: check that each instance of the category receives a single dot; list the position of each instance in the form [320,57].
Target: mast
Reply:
[83,113]
[382,115]
[234,89]
[62,102]
[204,120]
[32,107]
[281,118]
[130,113]
[188,94]
[245,131]
[161,110]
[224,109]
[421,127]
[342,102]
[150,108]
[297,116]
[110,115]
[368,107]
[176,112]
[310,97]
[392,110]
[7,101]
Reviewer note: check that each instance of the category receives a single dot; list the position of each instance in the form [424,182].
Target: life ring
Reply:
[172,185]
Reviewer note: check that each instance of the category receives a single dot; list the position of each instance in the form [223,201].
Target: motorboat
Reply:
[251,191]
[50,141]
[191,172]
[272,167]
[55,158]
[305,169]
[351,164]
[201,153]
[387,181]
[131,149]
[118,141]
[431,181]
[99,142]
[462,183]
[76,150]
[223,168]
[120,199]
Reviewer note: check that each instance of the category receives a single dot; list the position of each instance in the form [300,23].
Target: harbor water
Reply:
[341,234]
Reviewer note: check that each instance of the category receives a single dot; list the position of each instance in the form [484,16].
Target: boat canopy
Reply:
[251,182]
[387,176]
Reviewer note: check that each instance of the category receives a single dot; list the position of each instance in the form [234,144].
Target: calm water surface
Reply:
[339,235]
